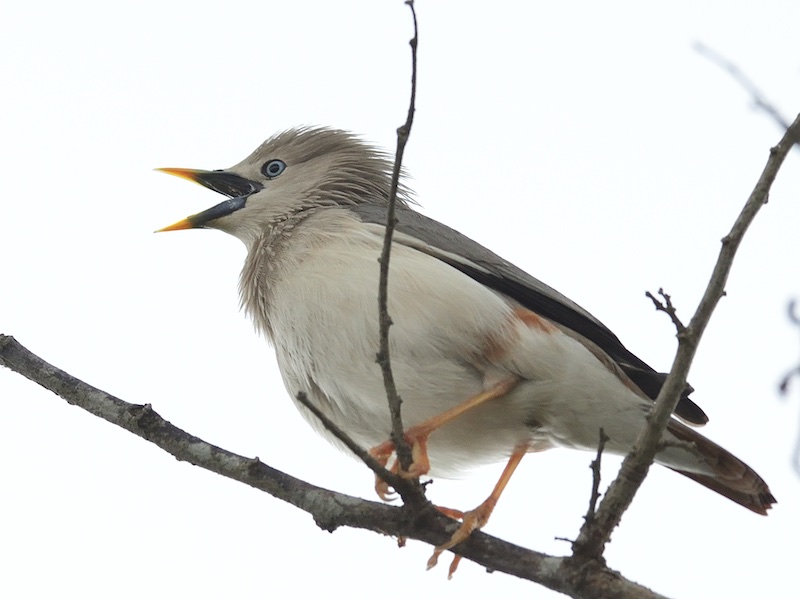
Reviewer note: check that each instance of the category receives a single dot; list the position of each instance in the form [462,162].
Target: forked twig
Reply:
[667,307]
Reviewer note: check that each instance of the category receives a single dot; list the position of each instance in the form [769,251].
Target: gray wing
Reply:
[486,267]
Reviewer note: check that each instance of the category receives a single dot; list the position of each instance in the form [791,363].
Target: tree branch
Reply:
[402,449]
[575,577]
[595,467]
[736,73]
[783,386]
[595,533]
[667,307]
[411,493]
[794,373]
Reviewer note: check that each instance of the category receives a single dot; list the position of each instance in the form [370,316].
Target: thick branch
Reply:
[401,447]
[596,533]
[330,510]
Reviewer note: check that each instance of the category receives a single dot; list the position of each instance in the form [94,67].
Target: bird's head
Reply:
[296,170]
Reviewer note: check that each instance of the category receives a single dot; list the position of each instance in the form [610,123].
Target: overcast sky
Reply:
[586,142]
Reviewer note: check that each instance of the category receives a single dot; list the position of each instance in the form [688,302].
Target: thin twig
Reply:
[734,71]
[409,492]
[761,102]
[595,534]
[595,467]
[666,306]
[783,387]
[383,358]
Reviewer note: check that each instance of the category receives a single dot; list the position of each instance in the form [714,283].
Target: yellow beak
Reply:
[237,188]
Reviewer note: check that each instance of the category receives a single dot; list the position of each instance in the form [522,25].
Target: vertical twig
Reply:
[783,387]
[595,467]
[401,447]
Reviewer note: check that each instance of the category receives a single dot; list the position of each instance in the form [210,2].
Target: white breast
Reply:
[322,313]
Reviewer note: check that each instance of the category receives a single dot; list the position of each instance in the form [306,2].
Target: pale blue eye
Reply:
[273,168]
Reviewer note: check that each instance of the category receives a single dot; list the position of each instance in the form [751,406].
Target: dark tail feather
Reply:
[758,501]
[732,478]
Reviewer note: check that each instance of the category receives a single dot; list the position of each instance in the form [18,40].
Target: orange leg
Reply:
[476,519]
[417,436]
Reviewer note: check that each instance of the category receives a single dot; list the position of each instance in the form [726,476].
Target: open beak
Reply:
[235,187]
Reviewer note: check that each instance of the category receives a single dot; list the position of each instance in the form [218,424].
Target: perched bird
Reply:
[490,362]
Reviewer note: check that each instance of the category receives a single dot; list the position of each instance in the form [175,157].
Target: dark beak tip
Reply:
[224,182]
[235,187]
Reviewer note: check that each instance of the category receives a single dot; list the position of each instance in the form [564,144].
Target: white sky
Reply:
[585,142]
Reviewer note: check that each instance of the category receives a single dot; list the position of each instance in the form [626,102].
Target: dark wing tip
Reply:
[691,412]
[650,382]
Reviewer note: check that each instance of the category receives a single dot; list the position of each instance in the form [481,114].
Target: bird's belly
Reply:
[354,399]
[324,319]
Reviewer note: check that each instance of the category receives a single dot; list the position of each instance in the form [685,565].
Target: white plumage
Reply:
[309,204]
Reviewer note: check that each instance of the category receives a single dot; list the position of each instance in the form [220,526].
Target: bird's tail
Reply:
[731,477]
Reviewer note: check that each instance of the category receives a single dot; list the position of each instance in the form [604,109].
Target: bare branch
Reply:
[401,447]
[411,493]
[330,510]
[734,71]
[666,306]
[595,534]
[760,102]
[595,467]
[793,317]
[783,387]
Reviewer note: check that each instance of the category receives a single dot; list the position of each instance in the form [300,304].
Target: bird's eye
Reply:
[273,168]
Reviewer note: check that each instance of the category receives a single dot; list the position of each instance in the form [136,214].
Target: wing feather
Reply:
[459,251]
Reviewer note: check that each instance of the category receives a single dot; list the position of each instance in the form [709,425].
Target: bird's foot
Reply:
[476,519]
[470,522]
[417,438]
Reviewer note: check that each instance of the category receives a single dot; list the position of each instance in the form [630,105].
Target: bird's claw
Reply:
[384,490]
[420,465]
[471,521]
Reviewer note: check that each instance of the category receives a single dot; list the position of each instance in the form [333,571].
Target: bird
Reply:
[491,363]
